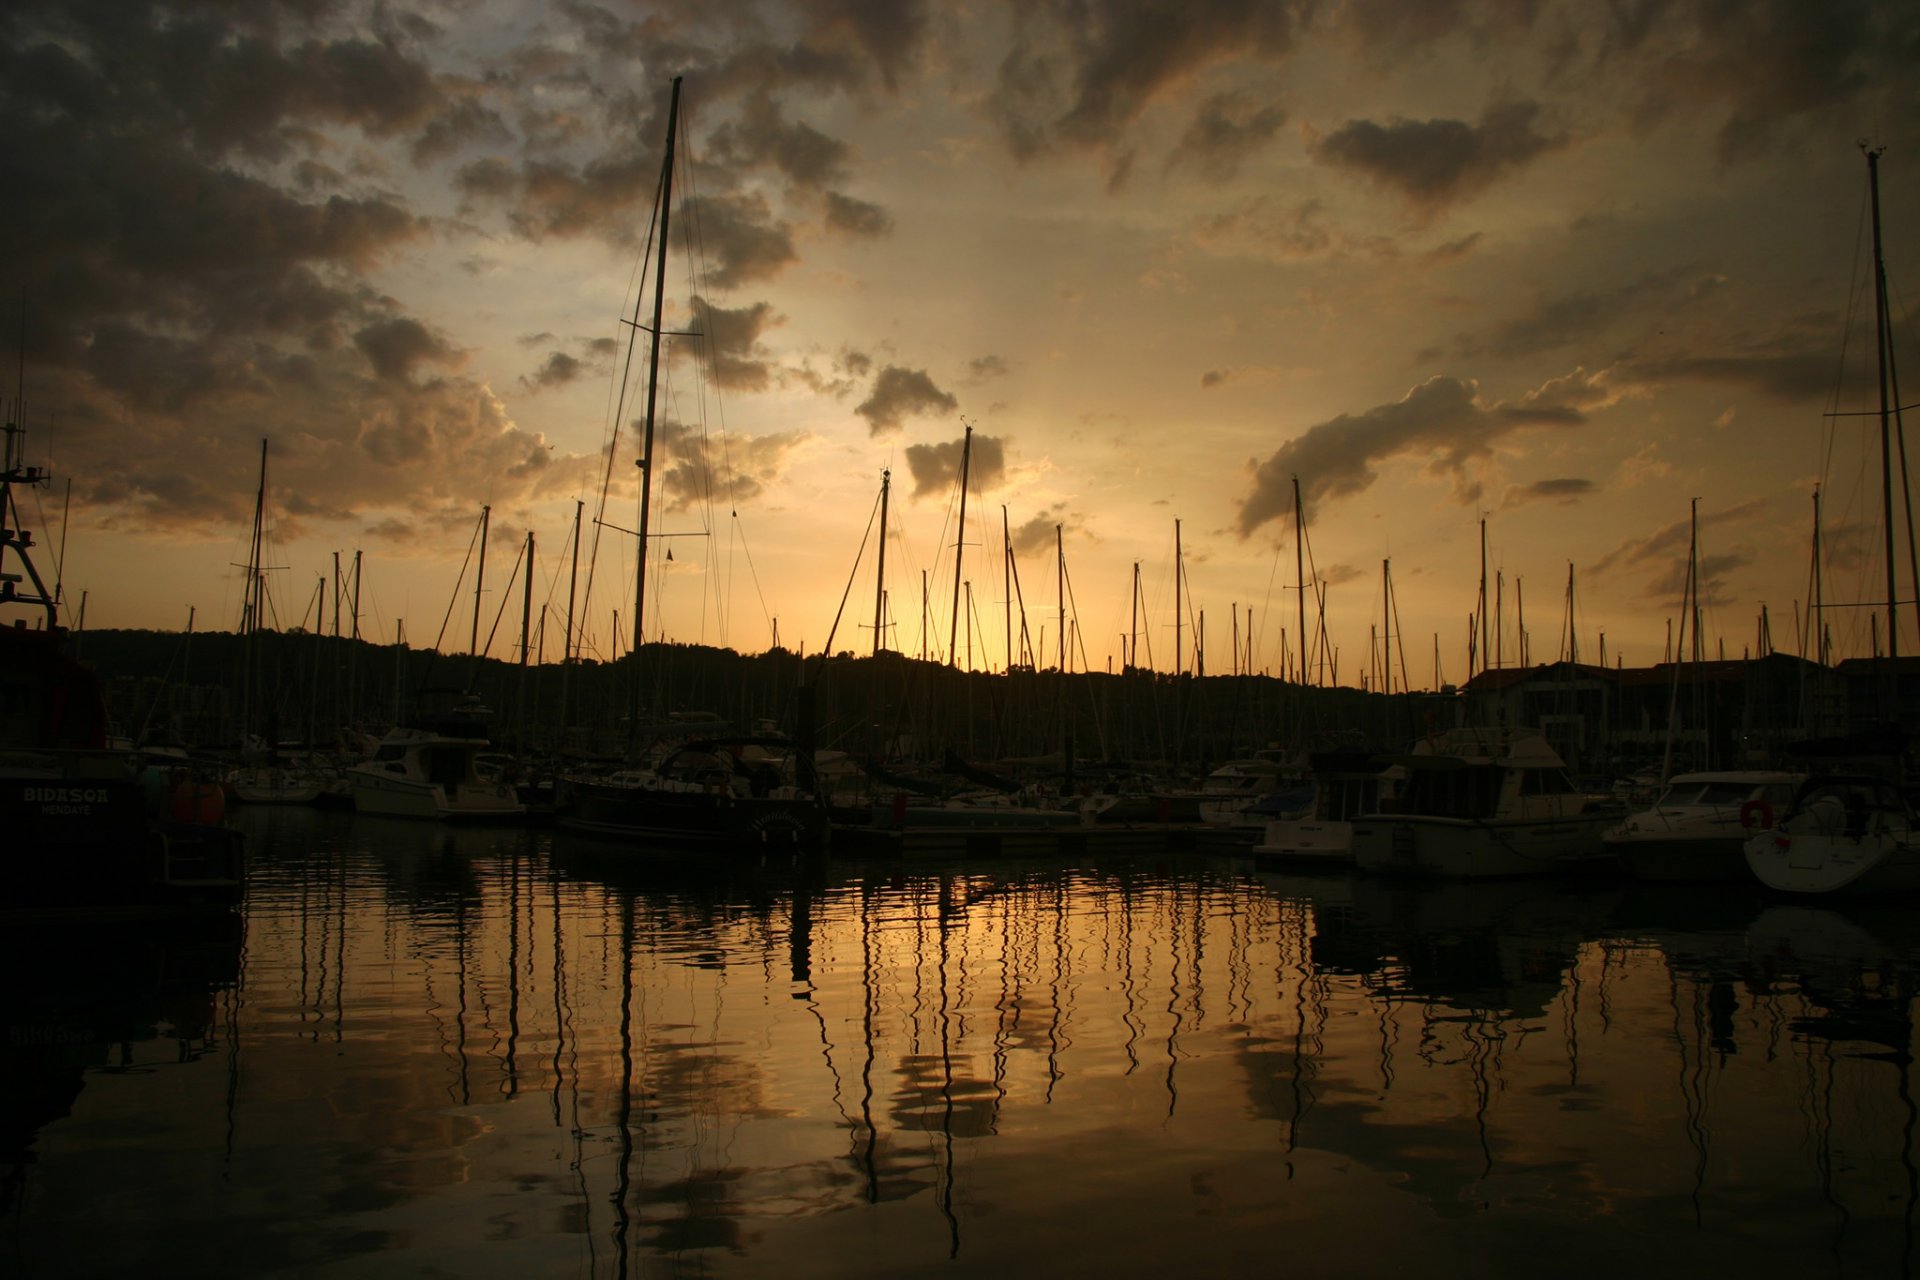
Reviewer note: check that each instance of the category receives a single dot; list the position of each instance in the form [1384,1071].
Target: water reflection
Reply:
[494,1051]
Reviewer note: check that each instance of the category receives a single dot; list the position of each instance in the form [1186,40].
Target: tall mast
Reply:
[1133,632]
[1483,596]
[1060,590]
[1299,571]
[959,546]
[1006,575]
[880,575]
[479,583]
[526,603]
[645,461]
[1886,436]
[1176,596]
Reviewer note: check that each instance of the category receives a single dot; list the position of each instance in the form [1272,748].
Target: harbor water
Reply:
[420,1050]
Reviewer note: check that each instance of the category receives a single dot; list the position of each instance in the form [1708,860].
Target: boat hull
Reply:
[1877,862]
[1473,849]
[1307,843]
[1684,860]
[400,797]
[690,818]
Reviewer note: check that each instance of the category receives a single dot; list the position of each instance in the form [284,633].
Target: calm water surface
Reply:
[501,1053]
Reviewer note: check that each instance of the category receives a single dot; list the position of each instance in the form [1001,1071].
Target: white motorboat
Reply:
[417,773]
[1345,784]
[1844,833]
[1698,828]
[1485,802]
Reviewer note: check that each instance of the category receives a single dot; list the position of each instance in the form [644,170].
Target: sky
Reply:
[1568,271]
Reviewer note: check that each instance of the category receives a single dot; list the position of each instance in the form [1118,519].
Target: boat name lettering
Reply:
[66,795]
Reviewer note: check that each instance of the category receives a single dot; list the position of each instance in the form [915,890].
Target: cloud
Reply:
[899,394]
[1227,129]
[1442,419]
[1435,163]
[397,347]
[761,135]
[1565,491]
[936,467]
[1664,551]
[740,235]
[1031,537]
[1769,64]
[729,470]
[856,217]
[1576,316]
[1082,71]
[194,258]
[986,368]
[735,359]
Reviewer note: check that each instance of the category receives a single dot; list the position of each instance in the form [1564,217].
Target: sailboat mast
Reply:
[1299,571]
[1886,435]
[1177,566]
[959,547]
[479,582]
[1060,591]
[645,461]
[880,574]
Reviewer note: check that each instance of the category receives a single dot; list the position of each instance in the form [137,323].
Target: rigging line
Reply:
[456,588]
[1830,434]
[826,650]
[506,597]
[611,436]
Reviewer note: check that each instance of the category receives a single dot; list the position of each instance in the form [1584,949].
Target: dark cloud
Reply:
[899,394]
[192,260]
[761,135]
[856,217]
[1215,377]
[398,347]
[1434,163]
[936,467]
[1768,64]
[1665,550]
[1566,490]
[1032,537]
[890,32]
[693,468]
[731,343]
[740,237]
[1397,26]
[557,370]
[1442,419]
[1082,71]
[984,368]
[1568,318]
[1226,130]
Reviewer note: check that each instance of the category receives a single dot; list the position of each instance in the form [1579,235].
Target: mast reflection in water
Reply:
[495,1052]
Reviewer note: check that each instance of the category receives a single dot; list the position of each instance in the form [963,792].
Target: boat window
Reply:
[1724,793]
[1452,793]
[1545,782]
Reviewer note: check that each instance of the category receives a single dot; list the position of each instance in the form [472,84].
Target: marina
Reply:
[496,1050]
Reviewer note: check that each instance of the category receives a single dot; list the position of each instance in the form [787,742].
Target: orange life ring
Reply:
[1756,809]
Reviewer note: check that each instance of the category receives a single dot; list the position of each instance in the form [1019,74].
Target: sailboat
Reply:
[716,790]
[1854,833]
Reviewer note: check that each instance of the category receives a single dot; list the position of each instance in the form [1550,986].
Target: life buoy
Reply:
[1756,815]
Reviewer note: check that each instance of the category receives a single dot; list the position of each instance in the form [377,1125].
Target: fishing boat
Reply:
[428,773]
[1485,802]
[1697,830]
